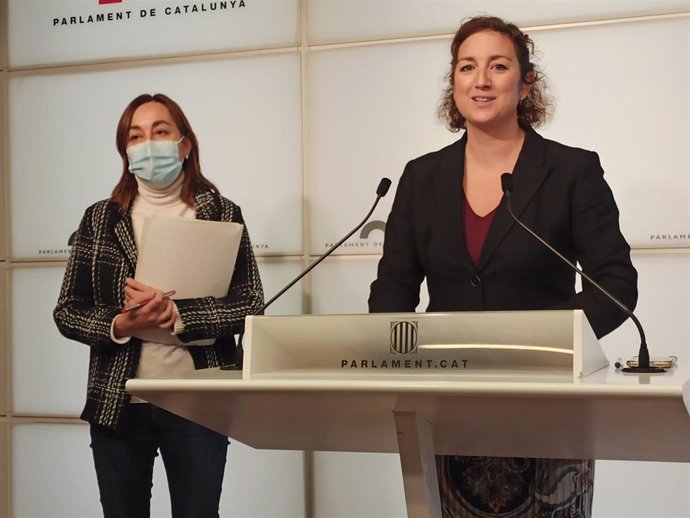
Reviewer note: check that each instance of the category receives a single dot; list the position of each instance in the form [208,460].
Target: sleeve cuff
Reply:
[178,326]
[123,340]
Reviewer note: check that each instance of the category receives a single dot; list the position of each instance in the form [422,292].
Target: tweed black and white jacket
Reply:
[103,255]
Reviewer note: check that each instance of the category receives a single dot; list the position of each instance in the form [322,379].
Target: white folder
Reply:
[196,258]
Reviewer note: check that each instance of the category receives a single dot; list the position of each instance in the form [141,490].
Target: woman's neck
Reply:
[485,147]
[487,157]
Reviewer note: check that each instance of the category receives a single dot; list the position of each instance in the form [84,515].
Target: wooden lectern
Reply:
[514,384]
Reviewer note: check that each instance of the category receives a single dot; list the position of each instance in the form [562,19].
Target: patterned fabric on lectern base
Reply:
[483,487]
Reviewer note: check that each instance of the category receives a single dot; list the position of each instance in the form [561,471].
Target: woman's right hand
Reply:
[155,311]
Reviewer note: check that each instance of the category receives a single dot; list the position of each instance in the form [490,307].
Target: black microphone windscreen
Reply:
[383,187]
[507,182]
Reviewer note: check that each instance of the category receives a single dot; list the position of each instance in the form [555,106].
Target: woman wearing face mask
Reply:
[161,176]
[450,224]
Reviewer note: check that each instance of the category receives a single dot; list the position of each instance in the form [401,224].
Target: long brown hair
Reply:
[531,111]
[126,189]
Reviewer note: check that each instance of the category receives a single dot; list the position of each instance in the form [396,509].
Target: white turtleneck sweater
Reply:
[159,359]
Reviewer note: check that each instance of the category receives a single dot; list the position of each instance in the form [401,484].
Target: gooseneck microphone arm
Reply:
[643,356]
[381,191]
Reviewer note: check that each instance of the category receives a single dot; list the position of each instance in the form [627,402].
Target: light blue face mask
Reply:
[155,162]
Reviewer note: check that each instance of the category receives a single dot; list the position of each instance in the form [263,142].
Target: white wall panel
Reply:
[275,275]
[4,473]
[371,111]
[358,485]
[4,210]
[341,285]
[35,37]
[55,461]
[663,309]
[4,339]
[640,137]
[641,490]
[52,472]
[63,158]
[263,483]
[348,20]
[48,371]
[624,91]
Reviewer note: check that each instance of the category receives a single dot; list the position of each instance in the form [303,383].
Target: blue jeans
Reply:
[193,456]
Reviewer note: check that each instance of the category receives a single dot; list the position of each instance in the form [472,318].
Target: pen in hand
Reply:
[166,295]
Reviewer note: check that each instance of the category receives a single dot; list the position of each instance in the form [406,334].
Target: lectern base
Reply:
[418,462]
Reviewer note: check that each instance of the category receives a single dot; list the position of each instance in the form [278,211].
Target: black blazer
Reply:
[558,191]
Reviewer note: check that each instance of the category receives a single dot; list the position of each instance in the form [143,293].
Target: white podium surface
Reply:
[607,415]
[334,403]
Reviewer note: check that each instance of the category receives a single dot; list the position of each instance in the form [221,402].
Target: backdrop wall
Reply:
[301,106]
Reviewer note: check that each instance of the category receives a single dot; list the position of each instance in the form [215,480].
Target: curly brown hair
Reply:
[126,189]
[534,110]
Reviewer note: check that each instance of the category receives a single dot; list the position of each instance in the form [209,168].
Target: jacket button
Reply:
[475,281]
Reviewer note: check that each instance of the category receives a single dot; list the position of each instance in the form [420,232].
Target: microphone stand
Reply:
[381,191]
[643,356]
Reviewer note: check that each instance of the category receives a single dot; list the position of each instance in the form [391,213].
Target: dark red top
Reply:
[476,228]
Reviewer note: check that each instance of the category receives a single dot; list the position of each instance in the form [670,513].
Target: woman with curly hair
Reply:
[450,225]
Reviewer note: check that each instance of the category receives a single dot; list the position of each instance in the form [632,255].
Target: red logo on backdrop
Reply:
[101,2]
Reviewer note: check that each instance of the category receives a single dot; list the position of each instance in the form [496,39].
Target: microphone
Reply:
[643,356]
[381,191]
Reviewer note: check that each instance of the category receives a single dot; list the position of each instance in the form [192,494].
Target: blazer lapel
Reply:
[206,206]
[448,191]
[529,173]
[125,236]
